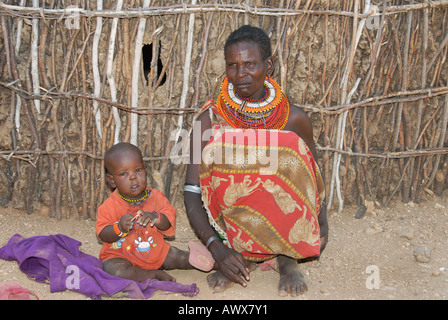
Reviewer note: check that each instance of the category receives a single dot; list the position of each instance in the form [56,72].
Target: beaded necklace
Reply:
[135,201]
[270,112]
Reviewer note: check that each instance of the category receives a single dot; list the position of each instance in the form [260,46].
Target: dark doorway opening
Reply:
[147,52]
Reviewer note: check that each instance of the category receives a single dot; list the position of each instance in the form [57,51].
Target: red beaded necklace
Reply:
[271,112]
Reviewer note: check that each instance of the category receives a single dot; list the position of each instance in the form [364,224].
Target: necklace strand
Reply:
[271,112]
[134,201]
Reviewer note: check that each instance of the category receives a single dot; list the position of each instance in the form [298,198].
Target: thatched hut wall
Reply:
[76,77]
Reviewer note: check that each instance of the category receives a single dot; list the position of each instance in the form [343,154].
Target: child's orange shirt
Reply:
[144,247]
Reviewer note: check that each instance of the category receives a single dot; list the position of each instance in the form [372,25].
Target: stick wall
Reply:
[74,80]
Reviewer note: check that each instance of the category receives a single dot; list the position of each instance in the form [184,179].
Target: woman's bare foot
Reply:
[291,279]
[219,282]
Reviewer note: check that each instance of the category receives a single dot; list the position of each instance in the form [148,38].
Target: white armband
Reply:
[194,188]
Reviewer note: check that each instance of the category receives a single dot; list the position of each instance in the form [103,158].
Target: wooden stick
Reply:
[19,31]
[151,90]
[442,137]
[136,72]
[127,74]
[95,71]
[35,57]
[186,76]
[402,111]
[81,159]
[439,50]
[193,8]
[342,118]
[376,101]
[201,62]
[110,76]
[18,105]
[417,126]
[70,192]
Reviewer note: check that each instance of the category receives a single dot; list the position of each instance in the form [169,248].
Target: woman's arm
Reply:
[230,262]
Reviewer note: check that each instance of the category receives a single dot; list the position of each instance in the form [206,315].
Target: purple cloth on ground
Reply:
[57,258]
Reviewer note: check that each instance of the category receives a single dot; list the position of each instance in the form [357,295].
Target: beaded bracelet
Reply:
[118,231]
[159,217]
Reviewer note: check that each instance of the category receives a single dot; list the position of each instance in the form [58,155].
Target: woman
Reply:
[261,213]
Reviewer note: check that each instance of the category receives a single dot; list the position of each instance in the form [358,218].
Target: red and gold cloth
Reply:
[262,190]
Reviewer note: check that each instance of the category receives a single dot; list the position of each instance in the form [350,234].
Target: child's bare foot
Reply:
[162,276]
[291,279]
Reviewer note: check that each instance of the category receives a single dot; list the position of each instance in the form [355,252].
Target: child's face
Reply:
[127,173]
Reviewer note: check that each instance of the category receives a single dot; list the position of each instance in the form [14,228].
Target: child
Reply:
[132,223]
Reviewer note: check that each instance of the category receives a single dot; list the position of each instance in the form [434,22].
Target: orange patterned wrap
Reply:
[262,190]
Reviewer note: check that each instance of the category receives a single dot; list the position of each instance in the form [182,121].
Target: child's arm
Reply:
[154,219]
[112,233]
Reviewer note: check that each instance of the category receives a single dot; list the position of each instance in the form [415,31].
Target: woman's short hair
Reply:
[253,34]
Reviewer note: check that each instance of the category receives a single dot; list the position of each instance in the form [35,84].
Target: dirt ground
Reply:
[399,252]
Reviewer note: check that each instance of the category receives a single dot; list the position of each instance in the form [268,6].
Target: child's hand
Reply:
[126,222]
[143,218]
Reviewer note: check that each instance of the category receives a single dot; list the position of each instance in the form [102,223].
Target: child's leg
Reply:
[176,259]
[122,268]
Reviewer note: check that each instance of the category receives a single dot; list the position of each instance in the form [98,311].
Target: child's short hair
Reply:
[119,148]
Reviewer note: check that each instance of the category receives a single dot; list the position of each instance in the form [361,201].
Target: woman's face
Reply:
[246,69]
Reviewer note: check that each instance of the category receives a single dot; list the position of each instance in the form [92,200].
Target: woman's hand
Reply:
[230,263]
